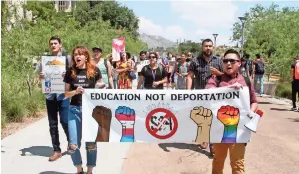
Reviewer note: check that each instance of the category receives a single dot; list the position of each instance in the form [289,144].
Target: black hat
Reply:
[97,48]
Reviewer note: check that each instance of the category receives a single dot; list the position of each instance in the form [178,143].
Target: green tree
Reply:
[28,40]
[272,32]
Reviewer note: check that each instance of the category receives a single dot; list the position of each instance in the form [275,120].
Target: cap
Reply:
[97,48]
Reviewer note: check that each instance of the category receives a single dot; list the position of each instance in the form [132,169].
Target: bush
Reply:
[283,90]
[27,40]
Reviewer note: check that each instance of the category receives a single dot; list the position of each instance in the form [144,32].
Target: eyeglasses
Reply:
[232,61]
[152,57]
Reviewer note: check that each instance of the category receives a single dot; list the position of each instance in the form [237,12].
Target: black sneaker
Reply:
[294,109]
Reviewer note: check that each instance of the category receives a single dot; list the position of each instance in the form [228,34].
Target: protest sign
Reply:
[171,66]
[211,115]
[53,67]
[141,64]
[118,46]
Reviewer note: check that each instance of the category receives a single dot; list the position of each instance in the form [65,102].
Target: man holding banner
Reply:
[203,67]
[230,115]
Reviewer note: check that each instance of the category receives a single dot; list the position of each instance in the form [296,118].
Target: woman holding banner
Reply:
[125,71]
[83,74]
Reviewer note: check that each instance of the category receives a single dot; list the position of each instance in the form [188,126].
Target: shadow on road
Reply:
[263,103]
[294,119]
[193,147]
[44,151]
[53,172]
[279,109]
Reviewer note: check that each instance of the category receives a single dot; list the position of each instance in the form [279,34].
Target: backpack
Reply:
[259,68]
[180,64]
[160,67]
[296,69]
[249,65]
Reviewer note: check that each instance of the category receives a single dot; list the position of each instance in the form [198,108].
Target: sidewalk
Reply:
[28,151]
[274,149]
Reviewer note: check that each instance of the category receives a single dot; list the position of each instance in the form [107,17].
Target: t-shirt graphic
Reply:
[81,80]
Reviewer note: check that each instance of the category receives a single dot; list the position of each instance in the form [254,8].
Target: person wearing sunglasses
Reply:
[233,79]
[153,75]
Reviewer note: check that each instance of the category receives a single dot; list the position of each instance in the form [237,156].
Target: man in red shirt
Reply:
[231,78]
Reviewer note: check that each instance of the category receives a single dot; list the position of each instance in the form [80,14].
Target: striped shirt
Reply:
[201,69]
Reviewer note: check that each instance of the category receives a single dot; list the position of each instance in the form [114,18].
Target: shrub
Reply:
[283,90]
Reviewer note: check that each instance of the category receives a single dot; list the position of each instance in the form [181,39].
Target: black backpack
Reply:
[259,68]
[249,65]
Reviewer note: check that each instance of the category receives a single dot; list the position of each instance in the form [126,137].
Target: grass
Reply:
[18,105]
[284,89]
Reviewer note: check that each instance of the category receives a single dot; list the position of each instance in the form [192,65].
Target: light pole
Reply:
[215,36]
[242,19]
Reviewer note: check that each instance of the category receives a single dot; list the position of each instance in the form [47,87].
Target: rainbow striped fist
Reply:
[102,115]
[230,117]
[126,117]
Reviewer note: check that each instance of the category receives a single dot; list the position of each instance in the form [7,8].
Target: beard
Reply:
[208,53]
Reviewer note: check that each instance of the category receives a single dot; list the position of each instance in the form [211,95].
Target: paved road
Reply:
[274,149]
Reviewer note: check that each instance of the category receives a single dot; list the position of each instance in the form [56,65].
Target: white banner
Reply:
[210,115]
[53,67]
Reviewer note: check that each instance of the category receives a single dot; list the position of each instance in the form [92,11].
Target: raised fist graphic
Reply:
[203,118]
[126,117]
[103,117]
[229,115]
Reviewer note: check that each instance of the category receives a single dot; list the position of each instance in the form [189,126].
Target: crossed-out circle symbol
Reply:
[155,131]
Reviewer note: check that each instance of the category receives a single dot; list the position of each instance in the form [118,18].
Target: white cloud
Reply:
[209,17]
[170,32]
[206,13]
[203,33]
[148,27]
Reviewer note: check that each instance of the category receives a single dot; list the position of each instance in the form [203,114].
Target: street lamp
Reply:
[215,36]
[242,19]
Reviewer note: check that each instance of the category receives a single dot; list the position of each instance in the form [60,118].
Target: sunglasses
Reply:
[152,57]
[232,61]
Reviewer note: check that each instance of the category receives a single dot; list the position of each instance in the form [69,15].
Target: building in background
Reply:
[64,6]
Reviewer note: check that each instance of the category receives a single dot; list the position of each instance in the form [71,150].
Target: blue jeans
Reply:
[115,84]
[75,134]
[259,77]
[138,78]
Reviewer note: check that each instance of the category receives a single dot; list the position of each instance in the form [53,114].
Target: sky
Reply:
[193,20]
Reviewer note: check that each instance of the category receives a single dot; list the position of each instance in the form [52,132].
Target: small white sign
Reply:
[53,67]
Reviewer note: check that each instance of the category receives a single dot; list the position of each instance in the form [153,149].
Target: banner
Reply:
[53,67]
[211,115]
[118,46]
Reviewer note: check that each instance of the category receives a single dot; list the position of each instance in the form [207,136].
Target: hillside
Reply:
[156,41]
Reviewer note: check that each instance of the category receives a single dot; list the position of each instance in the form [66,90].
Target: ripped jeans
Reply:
[75,135]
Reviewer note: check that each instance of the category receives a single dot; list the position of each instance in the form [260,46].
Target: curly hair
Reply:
[90,67]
